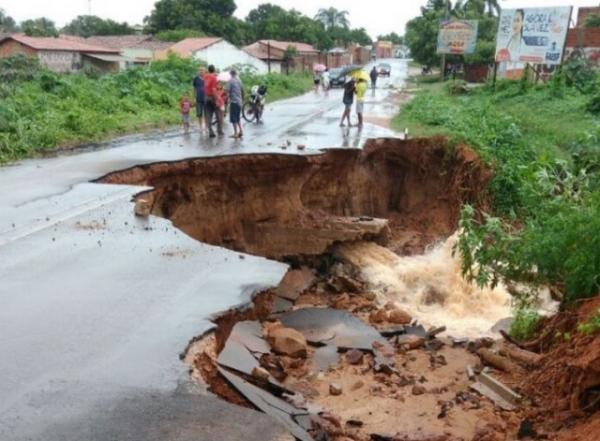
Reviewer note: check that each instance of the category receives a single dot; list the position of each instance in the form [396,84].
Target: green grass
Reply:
[41,111]
[525,324]
[592,325]
[544,148]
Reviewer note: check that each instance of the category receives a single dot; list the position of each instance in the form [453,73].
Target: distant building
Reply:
[215,51]
[384,49]
[582,41]
[137,49]
[61,54]
[273,52]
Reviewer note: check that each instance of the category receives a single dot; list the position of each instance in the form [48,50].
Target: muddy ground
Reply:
[325,213]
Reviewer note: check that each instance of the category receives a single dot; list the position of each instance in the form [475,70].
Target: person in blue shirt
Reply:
[198,84]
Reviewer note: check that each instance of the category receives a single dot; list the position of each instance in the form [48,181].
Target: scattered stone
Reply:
[379,316]
[410,342]
[260,373]
[354,423]
[335,389]
[301,147]
[405,381]
[354,356]
[287,341]
[418,390]
[435,345]
[306,389]
[399,317]
[356,386]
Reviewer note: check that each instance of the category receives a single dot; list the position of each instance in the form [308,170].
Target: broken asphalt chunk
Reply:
[333,327]
[294,283]
[501,395]
[277,408]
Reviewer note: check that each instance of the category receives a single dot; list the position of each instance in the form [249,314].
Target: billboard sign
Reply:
[457,37]
[533,35]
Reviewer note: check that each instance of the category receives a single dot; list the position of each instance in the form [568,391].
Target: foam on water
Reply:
[430,287]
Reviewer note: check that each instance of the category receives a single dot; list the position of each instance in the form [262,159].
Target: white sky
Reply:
[377,16]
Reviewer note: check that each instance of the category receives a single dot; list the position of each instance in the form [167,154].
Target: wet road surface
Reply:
[97,305]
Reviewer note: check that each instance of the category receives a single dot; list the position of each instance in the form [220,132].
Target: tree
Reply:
[332,18]
[393,37]
[212,17]
[39,27]
[592,21]
[477,7]
[88,25]
[7,23]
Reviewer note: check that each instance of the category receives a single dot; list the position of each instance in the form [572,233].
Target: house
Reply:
[137,49]
[213,50]
[338,57]
[277,55]
[582,41]
[61,54]
[383,49]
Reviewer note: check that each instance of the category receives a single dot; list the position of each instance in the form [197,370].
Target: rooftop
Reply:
[189,45]
[57,44]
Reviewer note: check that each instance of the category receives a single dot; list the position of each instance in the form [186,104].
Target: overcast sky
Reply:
[377,16]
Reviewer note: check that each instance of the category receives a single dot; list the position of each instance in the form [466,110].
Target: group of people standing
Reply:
[212,98]
[357,87]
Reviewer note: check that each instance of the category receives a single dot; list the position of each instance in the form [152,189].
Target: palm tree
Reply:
[332,18]
[462,8]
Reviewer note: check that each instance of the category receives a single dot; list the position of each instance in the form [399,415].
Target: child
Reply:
[220,100]
[185,105]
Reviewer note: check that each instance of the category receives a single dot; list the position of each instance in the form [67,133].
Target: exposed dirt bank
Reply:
[403,193]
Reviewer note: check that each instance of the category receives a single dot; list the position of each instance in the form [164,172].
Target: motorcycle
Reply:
[253,108]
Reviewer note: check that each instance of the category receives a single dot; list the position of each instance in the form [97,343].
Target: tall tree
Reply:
[393,37]
[7,23]
[39,27]
[88,25]
[212,17]
[333,18]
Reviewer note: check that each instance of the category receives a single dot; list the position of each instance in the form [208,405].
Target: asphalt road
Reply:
[97,305]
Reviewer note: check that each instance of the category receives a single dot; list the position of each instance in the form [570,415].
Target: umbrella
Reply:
[224,77]
[319,68]
[349,69]
[360,75]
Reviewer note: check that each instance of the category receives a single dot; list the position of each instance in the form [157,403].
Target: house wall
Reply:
[584,41]
[61,61]
[224,55]
[11,47]
[100,65]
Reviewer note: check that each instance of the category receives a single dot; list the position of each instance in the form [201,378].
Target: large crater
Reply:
[404,194]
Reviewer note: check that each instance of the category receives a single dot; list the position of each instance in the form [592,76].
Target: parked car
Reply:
[384,70]
[337,77]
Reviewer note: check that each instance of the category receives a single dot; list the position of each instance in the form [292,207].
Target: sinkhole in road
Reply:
[376,227]
[402,194]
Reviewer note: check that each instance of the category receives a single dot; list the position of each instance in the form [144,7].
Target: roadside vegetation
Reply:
[542,226]
[41,110]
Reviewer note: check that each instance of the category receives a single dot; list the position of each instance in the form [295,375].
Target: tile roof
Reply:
[57,44]
[118,41]
[260,51]
[189,45]
[283,45]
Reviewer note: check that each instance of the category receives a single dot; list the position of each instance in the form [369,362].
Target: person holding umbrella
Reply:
[317,70]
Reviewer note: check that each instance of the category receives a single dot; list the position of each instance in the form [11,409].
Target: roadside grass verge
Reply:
[544,147]
[41,110]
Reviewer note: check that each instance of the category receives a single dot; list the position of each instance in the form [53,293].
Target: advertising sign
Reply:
[457,37]
[533,35]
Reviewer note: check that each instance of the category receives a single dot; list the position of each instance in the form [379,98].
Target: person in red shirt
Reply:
[210,93]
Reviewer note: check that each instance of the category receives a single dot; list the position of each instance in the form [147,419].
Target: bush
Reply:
[525,324]
[42,110]
[591,326]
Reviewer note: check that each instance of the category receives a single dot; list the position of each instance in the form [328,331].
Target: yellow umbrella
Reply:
[360,75]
